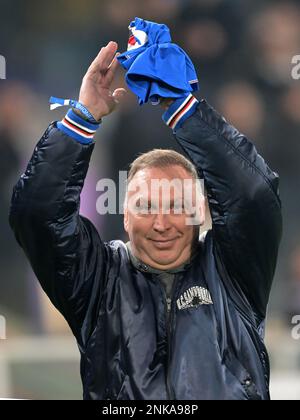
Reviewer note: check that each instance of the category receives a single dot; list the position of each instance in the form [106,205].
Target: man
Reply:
[167,316]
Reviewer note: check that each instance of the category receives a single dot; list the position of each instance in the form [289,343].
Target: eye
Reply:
[143,206]
[177,207]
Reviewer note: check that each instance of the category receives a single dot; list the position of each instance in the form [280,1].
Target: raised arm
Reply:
[242,194]
[64,249]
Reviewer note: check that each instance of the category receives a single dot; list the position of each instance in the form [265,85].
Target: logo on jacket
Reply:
[193,297]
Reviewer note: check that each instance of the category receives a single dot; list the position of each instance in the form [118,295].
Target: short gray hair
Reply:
[161,158]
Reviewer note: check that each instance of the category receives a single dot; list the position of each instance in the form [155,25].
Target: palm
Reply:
[95,91]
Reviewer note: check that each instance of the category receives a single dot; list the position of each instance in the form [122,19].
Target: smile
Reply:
[163,243]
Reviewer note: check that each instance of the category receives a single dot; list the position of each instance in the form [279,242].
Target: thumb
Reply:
[118,94]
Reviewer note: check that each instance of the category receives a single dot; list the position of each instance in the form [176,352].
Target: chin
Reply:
[165,258]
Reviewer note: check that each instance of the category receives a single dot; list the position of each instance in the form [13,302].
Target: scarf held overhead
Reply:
[155,66]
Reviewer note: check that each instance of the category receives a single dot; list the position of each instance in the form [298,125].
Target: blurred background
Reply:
[242,50]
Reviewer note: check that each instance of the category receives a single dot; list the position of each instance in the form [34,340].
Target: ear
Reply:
[202,211]
[126,220]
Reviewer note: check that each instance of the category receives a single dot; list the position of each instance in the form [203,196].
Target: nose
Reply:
[161,223]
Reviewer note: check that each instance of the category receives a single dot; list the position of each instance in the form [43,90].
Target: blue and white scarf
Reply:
[155,66]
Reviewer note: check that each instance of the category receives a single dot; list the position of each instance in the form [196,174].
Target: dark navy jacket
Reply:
[212,346]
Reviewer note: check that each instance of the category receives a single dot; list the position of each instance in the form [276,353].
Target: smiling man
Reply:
[159,229]
[170,314]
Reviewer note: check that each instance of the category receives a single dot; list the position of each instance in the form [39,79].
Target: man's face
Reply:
[159,226]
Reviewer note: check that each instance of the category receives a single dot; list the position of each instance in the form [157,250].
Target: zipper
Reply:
[169,318]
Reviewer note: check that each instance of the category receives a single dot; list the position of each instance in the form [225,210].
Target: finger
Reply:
[108,55]
[112,69]
[118,94]
[104,58]
[114,64]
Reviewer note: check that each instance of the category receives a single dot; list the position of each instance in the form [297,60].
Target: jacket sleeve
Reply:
[243,199]
[64,249]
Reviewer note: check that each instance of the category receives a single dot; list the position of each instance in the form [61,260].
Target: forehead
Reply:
[169,172]
[166,182]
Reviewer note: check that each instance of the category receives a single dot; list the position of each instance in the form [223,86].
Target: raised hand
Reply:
[95,93]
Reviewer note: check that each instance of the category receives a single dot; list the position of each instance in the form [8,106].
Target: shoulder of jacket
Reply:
[118,246]
[205,236]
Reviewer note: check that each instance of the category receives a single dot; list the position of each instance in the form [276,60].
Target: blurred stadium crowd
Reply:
[242,50]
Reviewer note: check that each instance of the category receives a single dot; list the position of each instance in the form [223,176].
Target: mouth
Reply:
[163,243]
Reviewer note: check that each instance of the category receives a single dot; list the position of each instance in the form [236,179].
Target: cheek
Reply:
[180,223]
[139,225]
[187,231]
